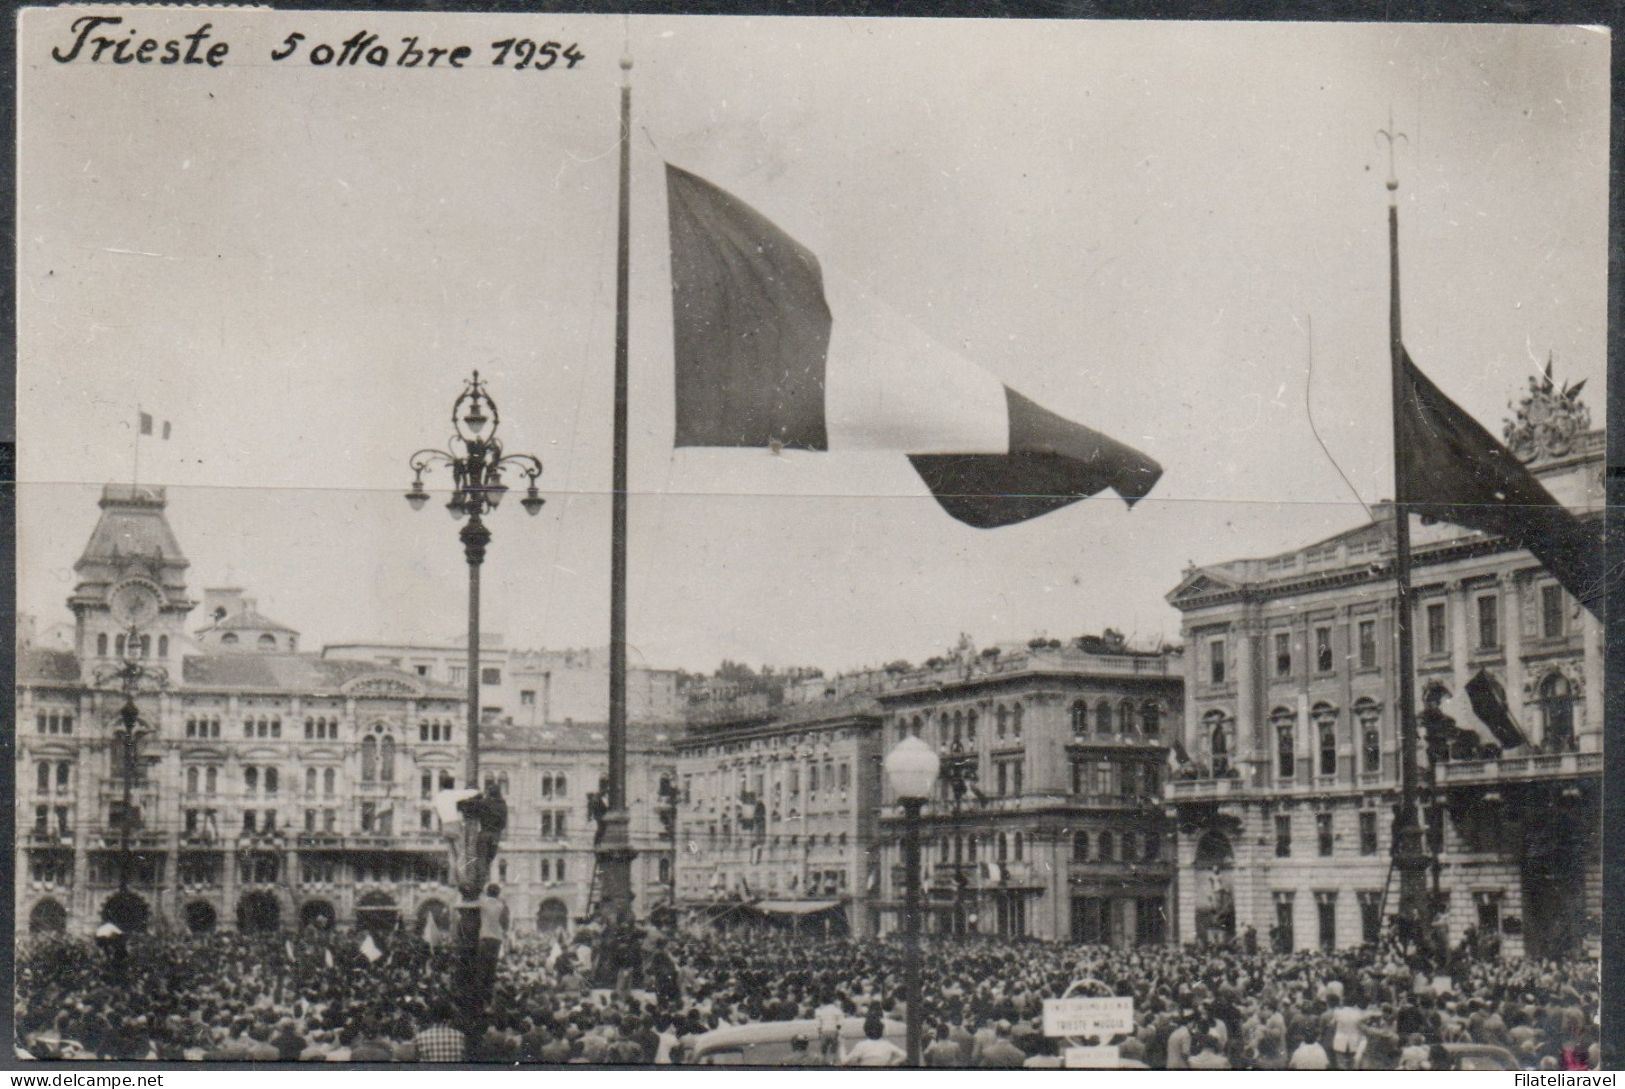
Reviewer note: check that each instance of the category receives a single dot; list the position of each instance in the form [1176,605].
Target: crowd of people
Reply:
[334,997]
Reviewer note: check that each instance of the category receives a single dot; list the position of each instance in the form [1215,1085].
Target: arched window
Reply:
[163,646]
[118,646]
[1125,717]
[1286,742]
[211,779]
[1004,848]
[369,759]
[1080,846]
[251,779]
[101,645]
[191,780]
[423,730]
[970,727]
[1129,845]
[1080,718]
[267,641]
[959,725]
[44,778]
[1001,721]
[942,733]
[386,761]
[1325,719]
[310,781]
[1151,718]
[1153,847]
[1103,717]
[959,848]
[229,639]
[270,780]
[276,727]
[1557,714]
[146,646]
[1369,717]
[1106,849]
[1016,846]
[1015,721]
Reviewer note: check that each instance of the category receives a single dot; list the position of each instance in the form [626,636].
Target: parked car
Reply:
[767,1043]
[1481,1057]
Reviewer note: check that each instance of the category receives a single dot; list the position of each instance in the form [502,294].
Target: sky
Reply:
[1175,233]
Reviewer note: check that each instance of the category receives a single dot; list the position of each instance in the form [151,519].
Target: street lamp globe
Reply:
[911,768]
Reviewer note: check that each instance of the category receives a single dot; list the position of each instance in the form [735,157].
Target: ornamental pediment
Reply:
[381,684]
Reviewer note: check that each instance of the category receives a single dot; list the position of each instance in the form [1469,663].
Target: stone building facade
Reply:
[275,788]
[1285,808]
[776,806]
[1063,836]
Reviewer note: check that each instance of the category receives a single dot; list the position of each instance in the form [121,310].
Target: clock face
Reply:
[133,603]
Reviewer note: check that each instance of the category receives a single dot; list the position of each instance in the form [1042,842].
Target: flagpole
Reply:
[614,851]
[135,462]
[1410,858]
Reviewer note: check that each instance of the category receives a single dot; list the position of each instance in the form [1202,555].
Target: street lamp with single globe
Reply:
[911,770]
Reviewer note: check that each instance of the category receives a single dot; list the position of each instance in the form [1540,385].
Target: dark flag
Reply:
[763,359]
[1490,705]
[1455,471]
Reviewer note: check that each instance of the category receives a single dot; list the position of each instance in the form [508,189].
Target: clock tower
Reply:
[132,572]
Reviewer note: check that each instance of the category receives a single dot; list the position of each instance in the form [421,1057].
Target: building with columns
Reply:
[1063,835]
[277,788]
[1285,809]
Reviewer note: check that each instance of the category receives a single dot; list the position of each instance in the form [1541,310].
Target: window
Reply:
[1215,661]
[1103,717]
[970,728]
[426,785]
[1153,847]
[1435,626]
[369,814]
[1283,835]
[459,675]
[44,778]
[1323,650]
[1151,718]
[191,780]
[426,820]
[251,780]
[1326,912]
[1368,832]
[1283,654]
[1078,774]
[1368,644]
[386,760]
[1489,627]
[1080,718]
[1125,717]
[1557,714]
[1488,905]
[1328,749]
[1107,848]
[1551,612]
[1286,742]
[527,697]
[101,645]
[1284,938]
[270,780]
[1015,721]
[1001,721]
[369,759]
[1218,742]
[267,641]
[490,675]
[1370,916]
[211,776]
[1080,847]
[327,782]
[1323,834]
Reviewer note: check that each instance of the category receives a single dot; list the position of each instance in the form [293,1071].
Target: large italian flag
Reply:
[769,353]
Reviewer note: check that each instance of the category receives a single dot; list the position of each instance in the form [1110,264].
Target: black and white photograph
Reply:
[972,543]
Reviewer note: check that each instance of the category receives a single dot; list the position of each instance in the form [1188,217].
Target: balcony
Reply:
[1517,769]
[1205,790]
[1079,744]
[370,841]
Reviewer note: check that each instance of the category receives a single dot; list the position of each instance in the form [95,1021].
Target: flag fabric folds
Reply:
[145,424]
[1489,702]
[1453,470]
[369,949]
[762,358]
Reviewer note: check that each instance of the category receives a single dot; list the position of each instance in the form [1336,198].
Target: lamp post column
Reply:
[911,926]
[475,537]
[128,716]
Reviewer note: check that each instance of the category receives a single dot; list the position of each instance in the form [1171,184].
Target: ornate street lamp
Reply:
[911,769]
[130,679]
[478,464]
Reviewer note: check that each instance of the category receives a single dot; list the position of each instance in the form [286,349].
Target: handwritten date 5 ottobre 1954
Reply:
[100,39]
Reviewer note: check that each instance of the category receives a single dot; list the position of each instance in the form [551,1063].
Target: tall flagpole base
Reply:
[619,936]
